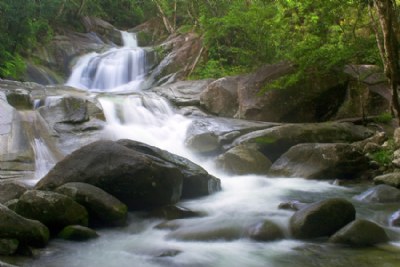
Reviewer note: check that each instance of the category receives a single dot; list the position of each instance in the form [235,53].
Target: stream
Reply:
[118,77]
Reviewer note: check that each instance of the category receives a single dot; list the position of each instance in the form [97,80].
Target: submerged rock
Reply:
[52,209]
[265,231]
[321,161]
[380,194]
[103,208]
[77,233]
[322,218]
[174,212]
[360,233]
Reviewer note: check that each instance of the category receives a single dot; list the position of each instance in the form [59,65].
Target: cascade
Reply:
[245,200]
[114,70]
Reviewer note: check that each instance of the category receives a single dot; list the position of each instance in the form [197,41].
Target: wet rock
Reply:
[8,246]
[360,233]
[20,99]
[221,97]
[52,209]
[380,194]
[106,31]
[14,226]
[169,253]
[273,142]
[11,190]
[321,161]
[174,212]
[392,179]
[322,218]
[3,264]
[394,219]
[196,181]
[243,159]
[211,134]
[77,233]
[103,208]
[265,231]
[138,180]
[183,93]
[207,232]
[294,205]
[16,153]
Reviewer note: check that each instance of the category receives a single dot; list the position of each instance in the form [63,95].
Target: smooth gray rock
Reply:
[265,231]
[321,161]
[392,179]
[380,194]
[360,233]
[322,218]
[11,190]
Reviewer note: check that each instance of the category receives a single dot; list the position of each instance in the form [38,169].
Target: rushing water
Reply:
[244,201]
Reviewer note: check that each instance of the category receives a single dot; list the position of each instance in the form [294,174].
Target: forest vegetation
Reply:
[238,35]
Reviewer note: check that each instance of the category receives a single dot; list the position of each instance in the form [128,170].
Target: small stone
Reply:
[77,233]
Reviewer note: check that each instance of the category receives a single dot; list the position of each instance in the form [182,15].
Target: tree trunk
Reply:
[164,17]
[386,11]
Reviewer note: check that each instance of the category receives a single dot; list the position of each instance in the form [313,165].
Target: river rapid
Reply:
[118,78]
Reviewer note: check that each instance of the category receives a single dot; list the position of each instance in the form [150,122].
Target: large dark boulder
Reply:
[273,142]
[132,172]
[29,232]
[321,161]
[52,209]
[138,180]
[196,181]
[360,233]
[322,218]
[103,208]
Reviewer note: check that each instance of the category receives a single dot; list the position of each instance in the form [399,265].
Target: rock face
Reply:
[321,161]
[16,153]
[243,160]
[274,141]
[322,218]
[307,101]
[183,93]
[380,194]
[52,209]
[29,232]
[392,179]
[103,208]
[182,51]
[138,178]
[360,233]
[221,97]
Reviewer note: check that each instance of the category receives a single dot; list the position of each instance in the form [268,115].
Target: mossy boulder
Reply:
[77,233]
[29,232]
[103,208]
[8,246]
[52,209]
[322,219]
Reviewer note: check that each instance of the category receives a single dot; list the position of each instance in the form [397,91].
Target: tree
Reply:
[384,15]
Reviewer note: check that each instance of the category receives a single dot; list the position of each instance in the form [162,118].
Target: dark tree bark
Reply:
[386,11]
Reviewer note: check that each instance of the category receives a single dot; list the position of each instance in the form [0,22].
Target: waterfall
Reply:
[118,69]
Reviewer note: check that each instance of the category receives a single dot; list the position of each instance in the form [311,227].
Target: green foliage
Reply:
[384,156]
[385,117]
